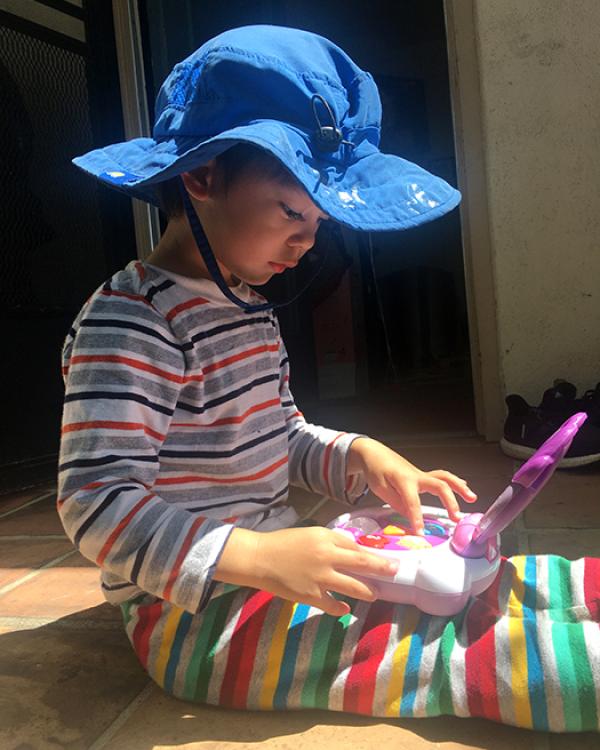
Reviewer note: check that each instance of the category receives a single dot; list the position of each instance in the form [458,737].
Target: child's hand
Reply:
[398,482]
[305,564]
[301,565]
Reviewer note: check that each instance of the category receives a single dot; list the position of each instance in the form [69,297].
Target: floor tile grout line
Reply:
[32,537]
[30,622]
[32,574]
[439,440]
[318,505]
[551,530]
[114,727]
[39,499]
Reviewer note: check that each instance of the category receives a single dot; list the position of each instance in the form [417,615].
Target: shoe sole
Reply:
[522,451]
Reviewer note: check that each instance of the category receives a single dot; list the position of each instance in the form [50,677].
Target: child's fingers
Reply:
[412,507]
[349,586]
[459,485]
[367,563]
[440,488]
[343,541]
[330,605]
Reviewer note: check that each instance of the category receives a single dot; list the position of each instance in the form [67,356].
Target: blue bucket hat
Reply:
[296,95]
[301,98]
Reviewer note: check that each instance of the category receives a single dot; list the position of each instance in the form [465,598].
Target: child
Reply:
[180,434]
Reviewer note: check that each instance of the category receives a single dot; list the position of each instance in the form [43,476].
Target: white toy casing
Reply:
[436,580]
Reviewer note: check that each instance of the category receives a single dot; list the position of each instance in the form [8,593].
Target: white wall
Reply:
[539,63]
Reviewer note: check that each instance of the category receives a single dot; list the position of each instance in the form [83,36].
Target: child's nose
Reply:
[303,240]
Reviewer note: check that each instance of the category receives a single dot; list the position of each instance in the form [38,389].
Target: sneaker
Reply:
[561,399]
[527,427]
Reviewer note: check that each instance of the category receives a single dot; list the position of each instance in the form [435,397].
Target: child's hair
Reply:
[231,164]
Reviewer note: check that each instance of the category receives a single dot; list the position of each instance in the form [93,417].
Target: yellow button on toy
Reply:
[415,542]
[393,531]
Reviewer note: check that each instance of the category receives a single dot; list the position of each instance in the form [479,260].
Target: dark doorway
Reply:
[61,234]
[402,294]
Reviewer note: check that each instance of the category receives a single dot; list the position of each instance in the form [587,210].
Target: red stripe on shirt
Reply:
[224,480]
[231,420]
[195,302]
[114,293]
[241,355]
[123,523]
[90,486]
[94,486]
[108,425]
[135,363]
[181,555]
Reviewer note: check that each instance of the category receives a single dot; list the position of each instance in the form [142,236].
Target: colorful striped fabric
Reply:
[526,652]
[179,423]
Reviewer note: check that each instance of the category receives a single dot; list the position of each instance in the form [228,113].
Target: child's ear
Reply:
[201,182]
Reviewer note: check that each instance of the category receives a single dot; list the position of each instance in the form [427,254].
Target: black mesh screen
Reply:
[61,234]
[52,233]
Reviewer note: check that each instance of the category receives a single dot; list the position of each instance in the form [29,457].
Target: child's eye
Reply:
[295,216]
[290,213]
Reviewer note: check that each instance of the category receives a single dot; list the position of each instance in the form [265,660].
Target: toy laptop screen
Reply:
[529,480]
[385,529]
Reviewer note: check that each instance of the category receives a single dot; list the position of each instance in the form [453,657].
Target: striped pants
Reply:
[526,652]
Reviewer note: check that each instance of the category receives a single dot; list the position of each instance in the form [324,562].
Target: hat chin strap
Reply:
[213,267]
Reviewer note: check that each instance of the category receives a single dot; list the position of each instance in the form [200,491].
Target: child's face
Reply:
[259,227]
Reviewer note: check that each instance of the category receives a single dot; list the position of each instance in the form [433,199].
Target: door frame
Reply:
[469,138]
[128,40]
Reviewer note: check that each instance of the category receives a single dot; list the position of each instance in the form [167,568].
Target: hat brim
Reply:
[371,191]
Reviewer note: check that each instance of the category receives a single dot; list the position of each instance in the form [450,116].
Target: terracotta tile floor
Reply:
[69,679]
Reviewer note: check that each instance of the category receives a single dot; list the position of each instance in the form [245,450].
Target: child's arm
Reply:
[398,482]
[302,565]
[317,455]
[124,369]
[344,465]
[305,564]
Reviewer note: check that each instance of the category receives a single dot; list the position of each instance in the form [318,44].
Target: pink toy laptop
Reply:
[439,571]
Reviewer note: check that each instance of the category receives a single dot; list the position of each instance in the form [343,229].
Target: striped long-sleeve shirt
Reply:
[179,424]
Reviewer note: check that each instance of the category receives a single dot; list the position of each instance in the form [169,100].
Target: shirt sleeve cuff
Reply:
[347,489]
[195,579]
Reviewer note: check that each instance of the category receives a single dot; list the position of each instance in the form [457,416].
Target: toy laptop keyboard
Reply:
[439,571]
